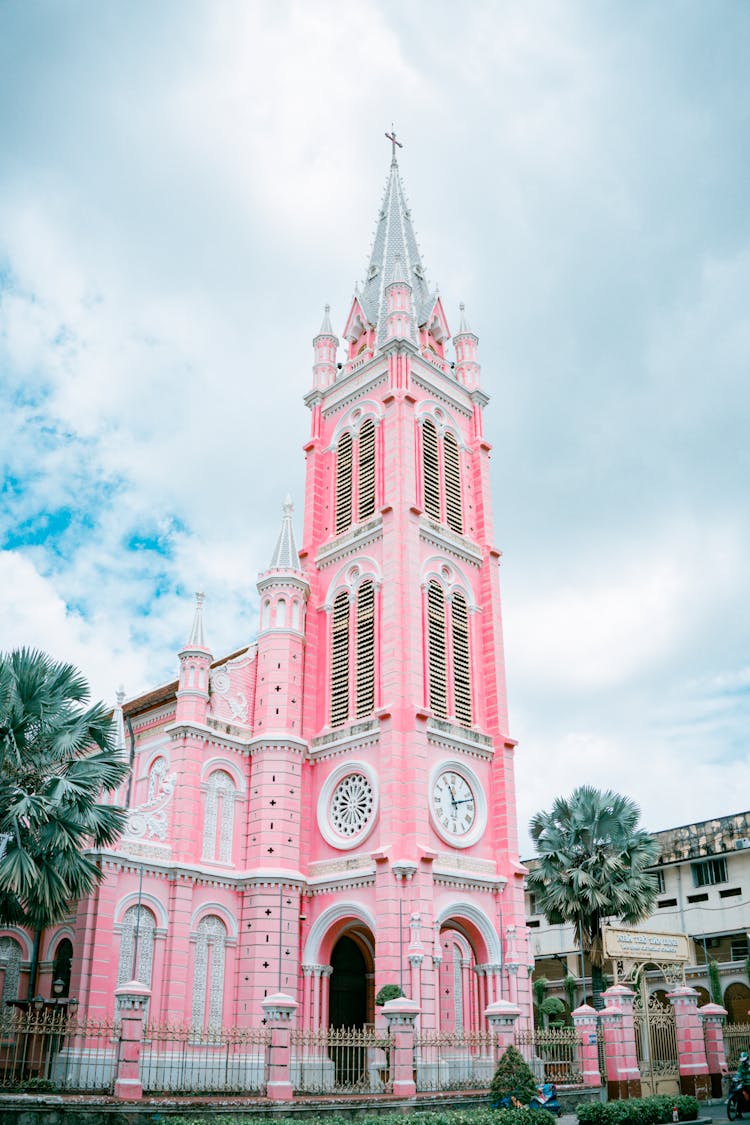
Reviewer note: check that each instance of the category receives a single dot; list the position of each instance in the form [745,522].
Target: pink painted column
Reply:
[325,994]
[623,1075]
[279,1012]
[131,1000]
[714,1017]
[691,1048]
[501,1017]
[401,1015]
[584,1021]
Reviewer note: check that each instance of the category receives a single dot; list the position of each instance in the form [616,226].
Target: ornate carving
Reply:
[150,818]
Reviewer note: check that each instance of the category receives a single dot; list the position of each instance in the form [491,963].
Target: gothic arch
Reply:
[325,928]
[354,419]
[479,925]
[450,575]
[442,419]
[221,912]
[148,760]
[22,938]
[350,576]
[151,902]
[212,764]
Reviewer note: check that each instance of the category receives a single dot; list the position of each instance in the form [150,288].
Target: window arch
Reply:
[10,961]
[280,616]
[448,655]
[441,477]
[138,929]
[353,632]
[208,972]
[61,965]
[218,821]
[356,478]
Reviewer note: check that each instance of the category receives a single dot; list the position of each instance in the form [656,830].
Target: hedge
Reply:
[429,1117]
[638,1111]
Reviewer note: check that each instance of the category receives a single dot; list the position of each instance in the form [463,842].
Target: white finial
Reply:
[463,325]
[288,505]
[326,328]
[120,695]
[119,720]
[197,638]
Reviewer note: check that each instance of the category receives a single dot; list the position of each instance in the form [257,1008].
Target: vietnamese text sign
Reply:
[644,945]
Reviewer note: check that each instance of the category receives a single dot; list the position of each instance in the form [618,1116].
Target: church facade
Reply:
[331,808]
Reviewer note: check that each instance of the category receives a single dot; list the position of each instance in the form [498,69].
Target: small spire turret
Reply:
[119,719]
[195,667]
[285,555]
[325,345]
[466,343]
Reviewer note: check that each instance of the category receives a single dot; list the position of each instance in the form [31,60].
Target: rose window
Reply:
[352,804]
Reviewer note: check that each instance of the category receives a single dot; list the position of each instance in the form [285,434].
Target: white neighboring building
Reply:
[704,891]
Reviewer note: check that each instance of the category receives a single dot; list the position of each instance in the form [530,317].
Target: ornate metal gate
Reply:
[656,1043]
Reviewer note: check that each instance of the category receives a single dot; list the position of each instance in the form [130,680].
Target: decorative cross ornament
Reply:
[392,138]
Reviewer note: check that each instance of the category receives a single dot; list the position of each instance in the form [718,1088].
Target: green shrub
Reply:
[638,1111]
[481,1116]
[388,992]
[512,1078]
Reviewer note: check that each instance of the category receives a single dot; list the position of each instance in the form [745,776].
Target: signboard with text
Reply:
[644,945]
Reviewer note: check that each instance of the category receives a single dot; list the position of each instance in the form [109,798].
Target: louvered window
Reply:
[431,470]
[451,464]
[366,650]
[344,484]
[340,660]
[461,666]
[367,470]
[436,649]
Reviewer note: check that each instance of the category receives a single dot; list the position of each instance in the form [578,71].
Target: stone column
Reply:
[415,975]
[325,994]
[623,1075]
[400,1015]
[131,1000]
[691,1048]
[501,1017]
[584,1021]
[714,1017]
[279,1012]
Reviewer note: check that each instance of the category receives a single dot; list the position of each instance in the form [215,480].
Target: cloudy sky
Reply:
[183,185]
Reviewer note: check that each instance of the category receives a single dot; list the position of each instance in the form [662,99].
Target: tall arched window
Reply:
[208,972]
[344,484]
[138,929]
[367,469]
[10,961]
[438,688]
[218,823]
[441,477]
[452,466]
[340,660]
[461,666]
[448,656]
[431,470]
[365,649]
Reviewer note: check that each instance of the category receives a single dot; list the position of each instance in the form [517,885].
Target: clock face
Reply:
[453,802]
[352,803]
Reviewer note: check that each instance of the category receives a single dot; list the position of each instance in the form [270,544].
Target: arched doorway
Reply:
[348,1004]
[61,967]
[737,1003]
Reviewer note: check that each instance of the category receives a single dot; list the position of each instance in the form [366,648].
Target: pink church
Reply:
[331,808]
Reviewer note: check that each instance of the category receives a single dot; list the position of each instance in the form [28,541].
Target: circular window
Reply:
[352,804]
[348,805]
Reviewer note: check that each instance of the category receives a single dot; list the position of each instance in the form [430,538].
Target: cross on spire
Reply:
[392,138]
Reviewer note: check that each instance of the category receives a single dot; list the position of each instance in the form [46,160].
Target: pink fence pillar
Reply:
[623,1075]
[400,1015]
[714,1017]
[278,1011]
[501,1017]
[584,1021]
[691,1048]
[131,1000]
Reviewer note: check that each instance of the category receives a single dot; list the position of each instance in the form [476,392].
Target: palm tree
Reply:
[592,864]
[57,757]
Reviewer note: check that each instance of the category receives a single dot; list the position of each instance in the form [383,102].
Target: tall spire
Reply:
[394,236]
[285,556]
[197,638]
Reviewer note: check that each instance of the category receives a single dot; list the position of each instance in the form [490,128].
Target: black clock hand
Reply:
[464,801]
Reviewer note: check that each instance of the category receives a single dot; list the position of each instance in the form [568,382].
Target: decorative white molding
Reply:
[325,825]
[455,911]
[321,926]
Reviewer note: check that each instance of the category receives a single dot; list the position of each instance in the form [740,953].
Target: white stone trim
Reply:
[329,834]
[454,911]
[213,764]
[368,408]
[151,902]
[480,799]
[433,569]
[321,926]
[220,911]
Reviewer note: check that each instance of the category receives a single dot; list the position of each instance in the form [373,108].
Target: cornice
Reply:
[350,542]
[354,737]
[472,742]
[270,579]
[449,541]
[442,388]
[277,740]
[354,386]
[209,734]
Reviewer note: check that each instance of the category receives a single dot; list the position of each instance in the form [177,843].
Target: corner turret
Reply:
[195,665]
[399,307]
[466,344]
[325,345]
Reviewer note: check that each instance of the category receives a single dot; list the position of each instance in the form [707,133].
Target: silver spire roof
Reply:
[197,638]
[394,237]
[285,557]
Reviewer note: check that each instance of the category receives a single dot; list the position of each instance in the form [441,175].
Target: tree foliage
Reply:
[57,757]
[513,1078]
[592,864]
